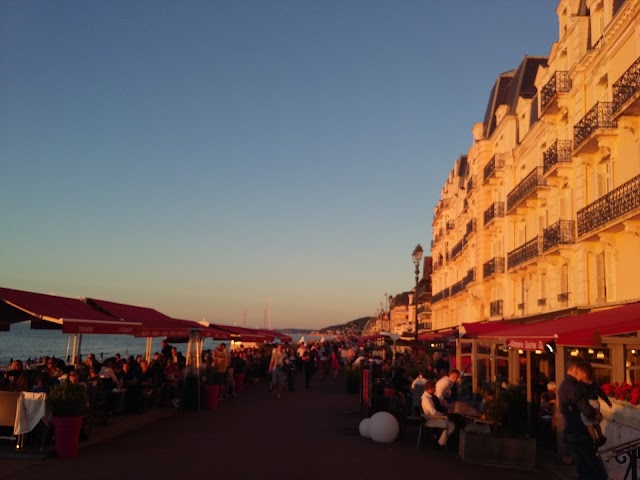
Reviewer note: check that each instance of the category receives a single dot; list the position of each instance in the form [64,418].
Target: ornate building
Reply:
[541,217]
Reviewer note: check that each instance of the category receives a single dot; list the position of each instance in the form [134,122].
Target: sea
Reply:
[22,343]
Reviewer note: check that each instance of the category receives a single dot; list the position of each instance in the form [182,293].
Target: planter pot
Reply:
[490,449]
[67,435]
[212,394]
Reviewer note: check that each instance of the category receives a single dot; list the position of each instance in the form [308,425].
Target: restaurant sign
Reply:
[525,344]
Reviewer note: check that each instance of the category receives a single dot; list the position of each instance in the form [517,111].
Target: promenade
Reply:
[310,434]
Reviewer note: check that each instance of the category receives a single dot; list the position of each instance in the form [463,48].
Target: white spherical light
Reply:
[383,427]
[364,427]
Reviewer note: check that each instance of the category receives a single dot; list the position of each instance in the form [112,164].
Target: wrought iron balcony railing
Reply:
[496,308]
[542,302]
[627,85]
[496,163]
[524,253]
[495,210]
[528,185]
[436,297]
[470,184]
[456,249]
[457,287]
[560,233]
[493,266]
[600,116]
[563,297]
[614,204]
[559,152]
[471,276]
[451,225]
[560,82]
[470,228]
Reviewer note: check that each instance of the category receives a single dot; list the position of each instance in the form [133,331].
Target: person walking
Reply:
[572,400]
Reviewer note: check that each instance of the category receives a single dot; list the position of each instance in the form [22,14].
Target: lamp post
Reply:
[417,257]
[390,306]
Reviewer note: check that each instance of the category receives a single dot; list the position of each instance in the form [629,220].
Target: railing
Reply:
[437,265]
[456,249]
[435,298]
[523,253]
[627,85]
[521,306]
[542,302]
[560,82]
[451,225]
[462,284]
[496,162]
[457,287]
[495,210]
[600,116]
[559,152]
[471,276]
[470,228]
[495,307]
[528,185]
[493,266]
[439,235]
[560,233]
[563,297]
[623,453]
[470,185]
[614,204]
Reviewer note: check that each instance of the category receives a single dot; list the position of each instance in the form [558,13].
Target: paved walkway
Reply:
[305,434]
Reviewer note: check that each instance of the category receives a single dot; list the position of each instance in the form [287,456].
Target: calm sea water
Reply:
[22,343]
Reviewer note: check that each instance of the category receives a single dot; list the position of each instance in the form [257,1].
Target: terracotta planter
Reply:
[67,435]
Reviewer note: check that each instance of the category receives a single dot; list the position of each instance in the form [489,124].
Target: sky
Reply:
[205,158]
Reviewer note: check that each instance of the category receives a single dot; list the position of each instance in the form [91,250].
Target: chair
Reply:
[424,424]
[8,409]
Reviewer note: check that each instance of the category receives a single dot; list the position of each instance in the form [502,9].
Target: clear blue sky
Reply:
[199,157]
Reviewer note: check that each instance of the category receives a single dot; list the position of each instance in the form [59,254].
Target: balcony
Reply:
[495,308]
[435,298]
[599,117]
[493,266]
[470,227]
[493,166]
[470,185]
[557,155]
[495,210]
[560,82]
[560,233]
[524,253]
[526,188]
[563,298]
[613,205]
[626,94]
[456,249]
[457,287]
[451,225]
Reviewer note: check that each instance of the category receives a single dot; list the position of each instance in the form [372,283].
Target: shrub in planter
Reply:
[68,400]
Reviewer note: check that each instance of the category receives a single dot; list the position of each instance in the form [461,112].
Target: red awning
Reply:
[577,330]
[438,336]
[370,338]
[284,338]
[151,322]
[243,334]
[73,315]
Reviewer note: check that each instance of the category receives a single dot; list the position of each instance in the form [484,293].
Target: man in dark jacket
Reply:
[572,400]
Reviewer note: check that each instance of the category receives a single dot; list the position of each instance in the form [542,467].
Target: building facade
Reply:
[541,217]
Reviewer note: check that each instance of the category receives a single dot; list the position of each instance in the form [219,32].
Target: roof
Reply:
[577,330]
[73,315]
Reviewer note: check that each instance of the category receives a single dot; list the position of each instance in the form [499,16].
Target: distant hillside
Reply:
[354,327]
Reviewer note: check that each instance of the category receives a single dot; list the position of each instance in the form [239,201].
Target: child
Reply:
[594,392]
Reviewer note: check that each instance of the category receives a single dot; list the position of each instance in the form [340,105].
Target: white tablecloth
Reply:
[31,409]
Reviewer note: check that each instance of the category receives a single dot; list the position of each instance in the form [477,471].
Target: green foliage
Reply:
[508,409]
[68,400]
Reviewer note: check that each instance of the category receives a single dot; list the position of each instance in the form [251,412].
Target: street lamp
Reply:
[417,258]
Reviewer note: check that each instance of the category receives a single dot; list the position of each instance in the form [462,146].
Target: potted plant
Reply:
[507,443]
[68,403]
